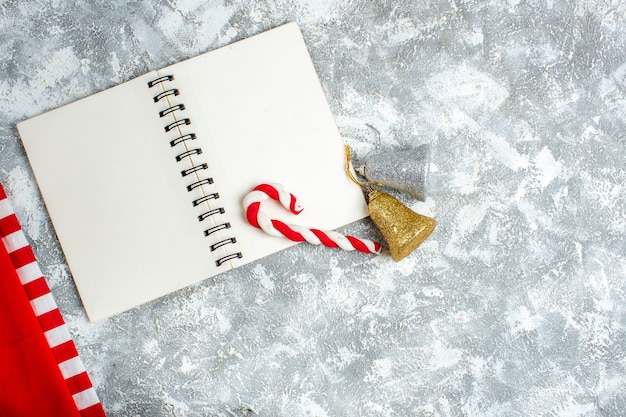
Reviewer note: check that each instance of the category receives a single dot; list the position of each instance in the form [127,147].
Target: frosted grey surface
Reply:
[515,306]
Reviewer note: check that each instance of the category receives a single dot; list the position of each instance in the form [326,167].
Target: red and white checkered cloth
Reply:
[41,373]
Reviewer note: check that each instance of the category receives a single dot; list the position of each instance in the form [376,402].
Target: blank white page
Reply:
[115,202]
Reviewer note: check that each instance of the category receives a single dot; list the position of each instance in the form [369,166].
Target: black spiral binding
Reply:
[197,168]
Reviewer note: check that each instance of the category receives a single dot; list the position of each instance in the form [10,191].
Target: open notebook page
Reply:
[266,119]
[115,194]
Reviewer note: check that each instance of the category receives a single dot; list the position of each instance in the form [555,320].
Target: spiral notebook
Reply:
[144,181]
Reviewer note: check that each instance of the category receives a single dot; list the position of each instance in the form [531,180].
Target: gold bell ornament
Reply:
[403,229]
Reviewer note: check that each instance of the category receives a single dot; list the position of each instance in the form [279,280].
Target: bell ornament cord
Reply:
[252,205]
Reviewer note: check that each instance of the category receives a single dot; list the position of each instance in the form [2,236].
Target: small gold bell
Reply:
[403,229]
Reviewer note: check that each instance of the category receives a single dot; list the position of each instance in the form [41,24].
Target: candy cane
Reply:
[252,204]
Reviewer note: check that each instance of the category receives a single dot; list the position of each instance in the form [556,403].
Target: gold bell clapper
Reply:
[403,229]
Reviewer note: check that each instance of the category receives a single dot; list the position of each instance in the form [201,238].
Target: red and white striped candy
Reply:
[252,206]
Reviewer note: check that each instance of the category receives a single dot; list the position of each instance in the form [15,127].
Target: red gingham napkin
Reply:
[41,373]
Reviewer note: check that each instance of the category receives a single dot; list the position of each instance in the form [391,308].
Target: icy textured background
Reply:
[515,305]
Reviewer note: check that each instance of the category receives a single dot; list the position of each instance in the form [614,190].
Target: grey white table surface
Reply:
[515,306]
